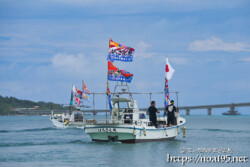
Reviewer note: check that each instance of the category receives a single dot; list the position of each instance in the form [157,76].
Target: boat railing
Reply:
[113,121]
[140,122]
[123,121]
[78,120]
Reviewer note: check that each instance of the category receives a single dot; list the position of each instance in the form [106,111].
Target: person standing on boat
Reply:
[170,112]
[152,113]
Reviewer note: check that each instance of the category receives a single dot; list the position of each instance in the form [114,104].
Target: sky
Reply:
[48,45]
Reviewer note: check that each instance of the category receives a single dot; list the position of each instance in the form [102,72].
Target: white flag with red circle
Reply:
[169,70]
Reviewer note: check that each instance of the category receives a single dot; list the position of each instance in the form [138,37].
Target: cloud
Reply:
[36,81]
[179,60]
[217,44]
[141,49]
[213,60]
[140,6]
[67,63]
[10,86]
[245,59]
[78,64]
[145,86]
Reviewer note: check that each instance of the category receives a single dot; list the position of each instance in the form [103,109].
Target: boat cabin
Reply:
[125,111]
[75,116]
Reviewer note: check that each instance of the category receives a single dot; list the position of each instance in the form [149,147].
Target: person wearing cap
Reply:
[170,112]
[152,113]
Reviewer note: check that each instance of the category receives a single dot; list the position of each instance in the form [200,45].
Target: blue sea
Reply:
[33,141]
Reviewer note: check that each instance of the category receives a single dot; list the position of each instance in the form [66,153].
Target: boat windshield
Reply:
[121,105]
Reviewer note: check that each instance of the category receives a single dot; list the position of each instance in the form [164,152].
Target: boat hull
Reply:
[60,124]
[136,140]
[231,113]
[130,134]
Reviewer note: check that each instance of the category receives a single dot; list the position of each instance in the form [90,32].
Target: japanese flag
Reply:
[169,70]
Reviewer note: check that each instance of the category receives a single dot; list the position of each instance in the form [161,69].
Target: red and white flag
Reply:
[77,91]
[84,88]
[169,70]
[77,101]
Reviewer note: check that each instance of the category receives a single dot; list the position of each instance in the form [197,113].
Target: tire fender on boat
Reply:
[184,131]
[166,132]
[178,130]
[134,131]
[144,131]
[66,123]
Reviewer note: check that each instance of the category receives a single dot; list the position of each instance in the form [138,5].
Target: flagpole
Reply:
[94,105]
[70,101]
[107,100]
[166,91]
[70,104]
[82,98]
[167,87]
[107,88]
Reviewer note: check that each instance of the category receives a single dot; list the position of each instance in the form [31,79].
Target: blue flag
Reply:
[114,74]
[109,96]
[120,52]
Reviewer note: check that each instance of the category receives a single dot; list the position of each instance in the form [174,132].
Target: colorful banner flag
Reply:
[77,92]
[120,52]
[85,96]
[85,91]
[84,88]
[77,101]
[114,74]
[109,96]
[166,103]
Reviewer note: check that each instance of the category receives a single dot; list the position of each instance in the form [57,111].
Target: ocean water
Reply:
[33,141]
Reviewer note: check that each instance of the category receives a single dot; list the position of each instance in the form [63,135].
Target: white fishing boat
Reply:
[74,119]
[128,124]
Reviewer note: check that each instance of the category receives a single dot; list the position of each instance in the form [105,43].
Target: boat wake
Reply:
[79,142]
[45,143]
[29,130]
[3,131]
[217,130]
[224,130]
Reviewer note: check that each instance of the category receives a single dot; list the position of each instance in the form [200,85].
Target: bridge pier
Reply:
[209,111]
[187,112]
[94,114]
[232,109]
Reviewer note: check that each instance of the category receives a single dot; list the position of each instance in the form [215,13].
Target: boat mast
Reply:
[82,99]
[106,89]
[69,109]
[166,89]
[71,96]
[94,105]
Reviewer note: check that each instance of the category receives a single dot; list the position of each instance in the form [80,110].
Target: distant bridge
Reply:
[209,108]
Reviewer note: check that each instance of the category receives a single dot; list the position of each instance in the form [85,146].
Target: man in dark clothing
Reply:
[170,112]
[152,113]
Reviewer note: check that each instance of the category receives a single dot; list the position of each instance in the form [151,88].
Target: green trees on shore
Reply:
[8,105]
